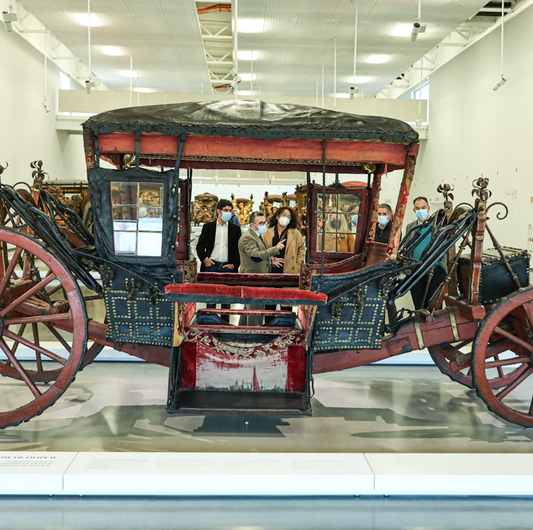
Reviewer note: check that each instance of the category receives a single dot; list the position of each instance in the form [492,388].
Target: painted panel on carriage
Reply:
[216,371]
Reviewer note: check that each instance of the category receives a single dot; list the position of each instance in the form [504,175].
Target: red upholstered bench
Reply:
[238,294]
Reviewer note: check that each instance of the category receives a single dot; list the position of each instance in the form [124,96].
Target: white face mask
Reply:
[284,221]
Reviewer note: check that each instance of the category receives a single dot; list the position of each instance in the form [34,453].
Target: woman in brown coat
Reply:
[283,226]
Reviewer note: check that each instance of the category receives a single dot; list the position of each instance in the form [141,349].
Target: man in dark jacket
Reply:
[422,292]
[218,244]
[384,224]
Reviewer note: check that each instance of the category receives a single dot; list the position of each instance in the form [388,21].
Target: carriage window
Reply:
[341,218]
[137,211]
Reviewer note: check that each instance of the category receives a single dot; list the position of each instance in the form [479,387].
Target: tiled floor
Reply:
[121,407]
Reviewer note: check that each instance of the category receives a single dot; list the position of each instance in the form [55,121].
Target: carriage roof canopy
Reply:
[251,119]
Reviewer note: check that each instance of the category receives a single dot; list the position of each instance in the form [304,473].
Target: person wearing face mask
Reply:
[418,292]
[384,224]
[256,258]
[218,244]
[283,226]
[338,236]
[353,219]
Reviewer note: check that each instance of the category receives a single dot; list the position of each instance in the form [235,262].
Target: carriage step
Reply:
[223,402]
[269,313]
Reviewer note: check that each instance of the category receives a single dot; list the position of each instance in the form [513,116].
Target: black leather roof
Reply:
[251,119]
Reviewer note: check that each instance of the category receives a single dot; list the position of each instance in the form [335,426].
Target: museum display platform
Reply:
[378,430]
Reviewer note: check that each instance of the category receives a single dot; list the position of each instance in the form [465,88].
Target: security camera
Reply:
[417,28]
[353,91]
[237,78]
[89,84]
[500,83]
[8,17]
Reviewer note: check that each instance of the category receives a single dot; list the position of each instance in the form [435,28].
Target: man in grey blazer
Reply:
[256,258]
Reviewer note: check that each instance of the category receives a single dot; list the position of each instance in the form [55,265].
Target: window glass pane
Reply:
[125,243]
[149,244]
[137,212]
[341,219]
[125,225]
[150,219]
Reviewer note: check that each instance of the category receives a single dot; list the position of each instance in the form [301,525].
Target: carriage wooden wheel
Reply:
[39,298]
[454,360]
[504,344]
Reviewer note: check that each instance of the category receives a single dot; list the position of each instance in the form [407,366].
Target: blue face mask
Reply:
[355,218]
[261,230]
[383,220]
[226,216]
[422,214]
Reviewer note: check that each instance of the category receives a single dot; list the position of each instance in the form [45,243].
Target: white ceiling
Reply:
[165,40]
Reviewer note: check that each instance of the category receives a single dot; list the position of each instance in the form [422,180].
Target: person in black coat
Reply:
[384,224]
[218,244]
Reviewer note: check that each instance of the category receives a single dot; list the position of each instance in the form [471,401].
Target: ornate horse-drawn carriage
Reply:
[138,262]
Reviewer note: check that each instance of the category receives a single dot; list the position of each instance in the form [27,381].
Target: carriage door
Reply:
[140,227]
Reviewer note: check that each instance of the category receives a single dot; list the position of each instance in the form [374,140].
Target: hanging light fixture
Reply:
[502,80]
[418,27]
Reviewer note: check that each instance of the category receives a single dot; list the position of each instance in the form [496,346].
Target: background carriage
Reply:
[52,275]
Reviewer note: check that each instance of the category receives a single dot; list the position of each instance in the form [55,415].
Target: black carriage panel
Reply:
[354,317]
[136,220]
[495,281]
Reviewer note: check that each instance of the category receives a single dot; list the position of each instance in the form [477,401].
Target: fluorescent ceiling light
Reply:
[245,92]
[143,89]
[250,25]
[247,77]
[402,30]
[248,55]
[129,73]
[359,79]
[94,21]
[342,95]
[112,50]
[377,58]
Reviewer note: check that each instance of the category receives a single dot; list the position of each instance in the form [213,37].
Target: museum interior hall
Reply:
[265,264]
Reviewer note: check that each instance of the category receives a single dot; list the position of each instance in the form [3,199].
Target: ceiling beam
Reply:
[36,34]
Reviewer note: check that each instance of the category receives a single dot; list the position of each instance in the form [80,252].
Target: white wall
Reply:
[27,132]
[475,131]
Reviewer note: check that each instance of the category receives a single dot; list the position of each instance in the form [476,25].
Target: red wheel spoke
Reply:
[58,336]
[18,367]
[518,381]
[16,344]
[10,268]
[513,338]
[521,359]
[38,358]
[30,292]
[500,369]
[35,347]
[93,297]
[54,290]
[44,319]
[496,348]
